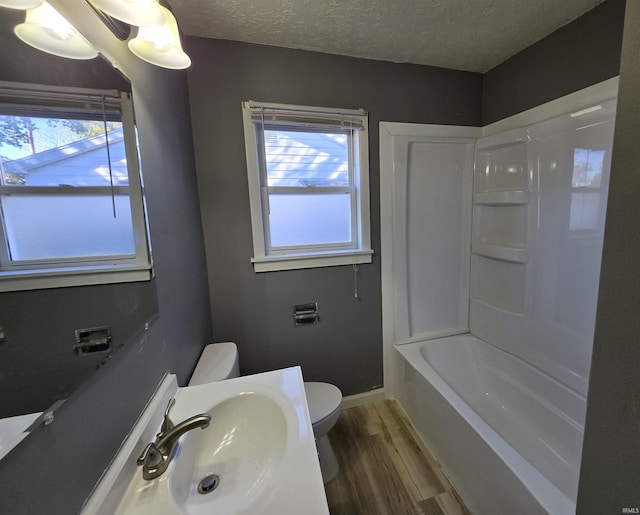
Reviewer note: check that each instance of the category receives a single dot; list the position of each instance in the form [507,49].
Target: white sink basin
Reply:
[259,443]
[243,446]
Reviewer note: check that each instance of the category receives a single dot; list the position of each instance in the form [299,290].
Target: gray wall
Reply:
[66,458]
[582,53]
[255,309]
[610,473]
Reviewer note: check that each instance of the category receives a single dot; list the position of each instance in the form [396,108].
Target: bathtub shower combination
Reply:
[491,247]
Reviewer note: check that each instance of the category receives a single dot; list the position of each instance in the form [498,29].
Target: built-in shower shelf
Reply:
[482,304]
[502,198]
[501,252]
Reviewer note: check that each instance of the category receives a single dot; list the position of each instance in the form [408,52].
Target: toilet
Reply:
[324,401]
[219,361]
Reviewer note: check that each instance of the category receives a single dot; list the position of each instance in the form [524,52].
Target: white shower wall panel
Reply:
[498,283]
[429,217]
[559,247]
[436,217]
[502,167]
[506,227]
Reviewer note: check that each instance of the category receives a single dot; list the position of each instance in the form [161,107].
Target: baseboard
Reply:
[363,398]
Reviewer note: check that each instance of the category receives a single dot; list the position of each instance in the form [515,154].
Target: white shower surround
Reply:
[487,454]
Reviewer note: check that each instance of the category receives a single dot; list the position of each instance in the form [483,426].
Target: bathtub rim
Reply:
[568,390]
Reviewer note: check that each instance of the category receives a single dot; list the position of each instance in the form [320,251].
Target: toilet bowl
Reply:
[324,401]
[219,361]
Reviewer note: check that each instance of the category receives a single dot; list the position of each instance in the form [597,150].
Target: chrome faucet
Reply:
[157,455]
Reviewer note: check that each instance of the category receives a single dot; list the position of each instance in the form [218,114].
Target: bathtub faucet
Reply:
[157,455]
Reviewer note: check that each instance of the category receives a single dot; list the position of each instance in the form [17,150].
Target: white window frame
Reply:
[354,123]
[63,272]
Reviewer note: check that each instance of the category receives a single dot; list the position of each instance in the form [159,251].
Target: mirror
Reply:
[38,365]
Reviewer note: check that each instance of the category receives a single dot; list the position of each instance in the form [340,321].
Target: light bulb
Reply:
[161,45]
[21,4]
[47,30]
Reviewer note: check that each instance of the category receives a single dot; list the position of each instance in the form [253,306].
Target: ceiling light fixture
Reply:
[161,45]
[47,30]
[157,41]
[20,4]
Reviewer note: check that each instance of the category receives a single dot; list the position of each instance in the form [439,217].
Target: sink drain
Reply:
[208,484]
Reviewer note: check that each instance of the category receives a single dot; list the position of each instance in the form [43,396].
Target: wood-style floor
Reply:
[385,468]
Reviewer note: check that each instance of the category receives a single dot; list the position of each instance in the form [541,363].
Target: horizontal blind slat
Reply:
[281,114]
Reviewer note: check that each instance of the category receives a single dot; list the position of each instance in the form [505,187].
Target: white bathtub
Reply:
[488,418]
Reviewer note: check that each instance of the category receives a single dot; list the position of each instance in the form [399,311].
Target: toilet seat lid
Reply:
[323,399]
[217,362]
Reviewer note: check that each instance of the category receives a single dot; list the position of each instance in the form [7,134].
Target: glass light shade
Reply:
[47,30]
[20,4]
[143,13]
[161,45]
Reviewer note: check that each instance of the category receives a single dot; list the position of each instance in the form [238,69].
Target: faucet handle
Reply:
[150,457]
[167,424]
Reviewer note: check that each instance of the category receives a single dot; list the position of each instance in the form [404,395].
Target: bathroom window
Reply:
[71,206]
[308,185]
[587,198]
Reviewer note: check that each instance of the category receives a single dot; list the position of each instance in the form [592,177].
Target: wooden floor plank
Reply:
[373,424]
[433,464]
[348,440]
[450,504]
[385,468]
[391,489]
[377,475]
[408,456]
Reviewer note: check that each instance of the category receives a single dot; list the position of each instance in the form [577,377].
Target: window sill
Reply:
[64,277]
[315,260]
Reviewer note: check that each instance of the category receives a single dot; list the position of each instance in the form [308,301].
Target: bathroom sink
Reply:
[237,458]
[257,456]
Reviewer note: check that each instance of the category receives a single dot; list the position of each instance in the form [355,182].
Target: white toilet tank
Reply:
[217,362]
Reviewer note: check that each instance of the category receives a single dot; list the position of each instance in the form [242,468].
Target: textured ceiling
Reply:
[473,35]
